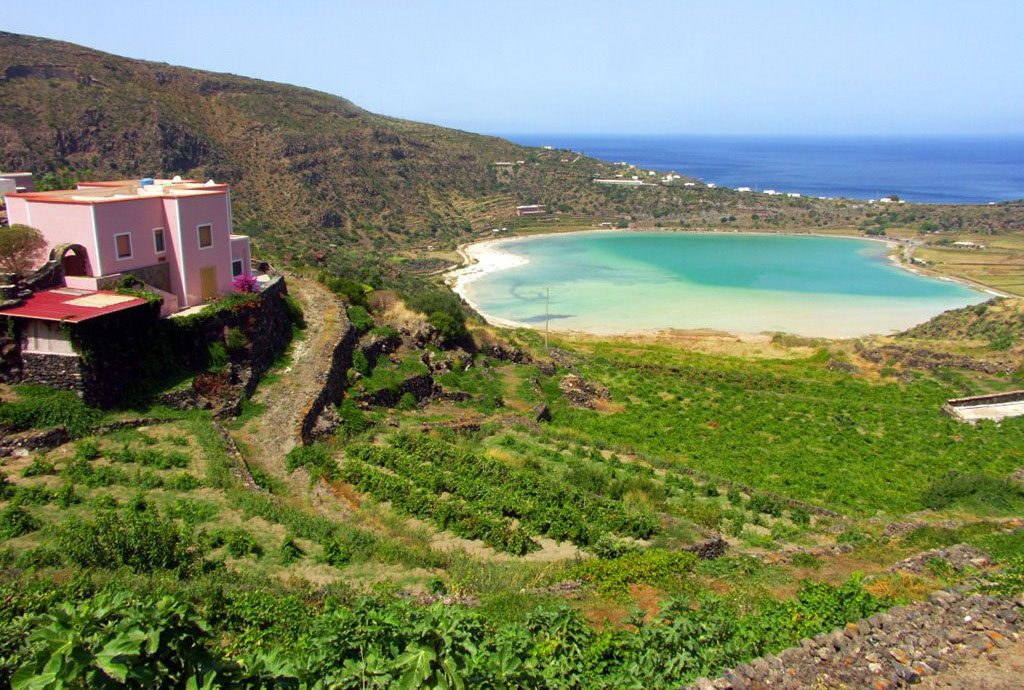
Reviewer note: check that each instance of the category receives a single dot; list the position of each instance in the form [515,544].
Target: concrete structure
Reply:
[996,407]
[743,189]
[19,181]
[620,182]
[173,235]
[530,210]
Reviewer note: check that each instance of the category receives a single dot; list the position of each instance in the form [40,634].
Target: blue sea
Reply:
[924,170]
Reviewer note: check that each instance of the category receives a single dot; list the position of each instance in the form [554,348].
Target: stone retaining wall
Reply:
[888,650]
[336,379]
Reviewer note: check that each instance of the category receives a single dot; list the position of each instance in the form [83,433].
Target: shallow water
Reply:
[620,282]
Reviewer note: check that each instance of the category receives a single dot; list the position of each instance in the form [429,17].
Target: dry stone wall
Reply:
[335,380]
[888,650]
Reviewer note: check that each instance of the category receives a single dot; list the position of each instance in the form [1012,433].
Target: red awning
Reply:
[71,305]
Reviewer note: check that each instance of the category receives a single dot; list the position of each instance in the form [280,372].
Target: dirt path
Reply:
[269,437]
[1001,669]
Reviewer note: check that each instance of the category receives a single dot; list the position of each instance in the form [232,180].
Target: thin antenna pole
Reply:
[547,313]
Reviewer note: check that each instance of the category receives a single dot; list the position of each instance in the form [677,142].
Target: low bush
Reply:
[16,521]
[39,467]
[139,539]
[294,311]
[43,408]
[236,541]
[360,318]
[652,566]
[315,459]
[979,492]
[235,340]
[87,449]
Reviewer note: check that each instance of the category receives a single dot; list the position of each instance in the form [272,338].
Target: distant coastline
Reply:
[952,170]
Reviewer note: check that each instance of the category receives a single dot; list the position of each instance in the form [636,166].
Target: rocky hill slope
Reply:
[312,172]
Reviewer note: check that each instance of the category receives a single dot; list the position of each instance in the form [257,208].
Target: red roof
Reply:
[69,304]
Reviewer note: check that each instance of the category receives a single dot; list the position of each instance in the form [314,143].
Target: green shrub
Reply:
[43,408]
[16,521]
[290,551]
[979,492]
[87,449]
[763,503]
[39,467]
[799,516]
[66,496]
[236,541]
[360,362]
[352,291]
[450,327]
[181,481]
[354,420]
[360,318]
[142,540]
[653,566]
[704,514]
[216,357]
[113,640]
[316,459]
[407,402]
[235,340]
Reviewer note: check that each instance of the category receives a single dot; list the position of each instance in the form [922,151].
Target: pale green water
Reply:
[618,282]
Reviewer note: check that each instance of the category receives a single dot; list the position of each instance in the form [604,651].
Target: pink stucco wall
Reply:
[138,218]
[192,212]
[240,250]
[60,224]
[95,226]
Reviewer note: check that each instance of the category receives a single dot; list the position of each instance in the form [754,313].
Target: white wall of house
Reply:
[46,336]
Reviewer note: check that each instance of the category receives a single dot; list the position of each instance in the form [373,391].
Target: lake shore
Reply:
[487,256]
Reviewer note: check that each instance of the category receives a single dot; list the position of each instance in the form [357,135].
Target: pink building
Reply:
[174,235]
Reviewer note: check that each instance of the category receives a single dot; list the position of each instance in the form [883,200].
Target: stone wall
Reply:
[335,382]
[888,650]
[123,352]
[157,275]
[66,372]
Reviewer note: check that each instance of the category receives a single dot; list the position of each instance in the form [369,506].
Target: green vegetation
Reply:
[792,427]
[38,407]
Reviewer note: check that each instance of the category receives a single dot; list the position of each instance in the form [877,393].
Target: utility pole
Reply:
[547,314]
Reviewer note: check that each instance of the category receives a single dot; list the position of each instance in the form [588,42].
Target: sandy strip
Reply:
[478,260]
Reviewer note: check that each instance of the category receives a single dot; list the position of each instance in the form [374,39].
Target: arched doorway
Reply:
[73,258]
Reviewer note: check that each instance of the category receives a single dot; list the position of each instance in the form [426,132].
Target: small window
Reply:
[236,268]
[158,240]
[205,236]
[123,242]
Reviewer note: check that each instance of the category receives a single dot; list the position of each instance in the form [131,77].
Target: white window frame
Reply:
[199,240]
[131,246]
[241,267]
[163,238]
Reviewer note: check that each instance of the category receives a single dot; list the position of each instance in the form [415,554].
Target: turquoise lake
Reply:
[622,282]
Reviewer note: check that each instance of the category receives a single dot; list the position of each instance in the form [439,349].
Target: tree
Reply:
[21,247]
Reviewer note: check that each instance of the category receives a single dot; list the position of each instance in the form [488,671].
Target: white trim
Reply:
[180,246]
[96,244]
[199,242]
[131,248]
[163,236]
[231,216]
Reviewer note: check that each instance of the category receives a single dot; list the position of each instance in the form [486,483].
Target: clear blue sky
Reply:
[643,66]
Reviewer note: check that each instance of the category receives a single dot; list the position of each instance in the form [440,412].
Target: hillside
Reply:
[312,172]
